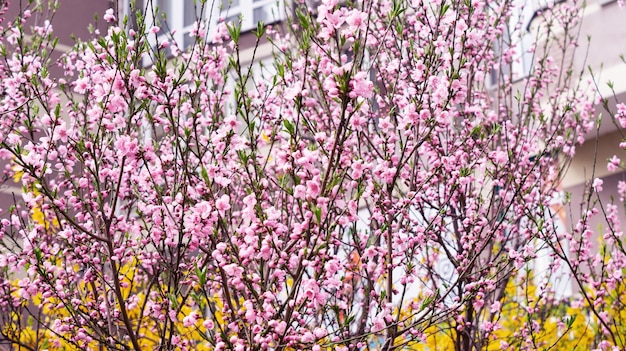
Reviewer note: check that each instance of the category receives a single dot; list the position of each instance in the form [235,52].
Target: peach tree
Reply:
[385,180]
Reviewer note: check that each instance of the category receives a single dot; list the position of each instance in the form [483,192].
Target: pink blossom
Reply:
[613,164]
[208,324]
[621,189]
[597,184]
[127,146]
[223,204]
[495,307]
[621,114]
[299,191]
[109,16]
[360,86]
[357,170]
[313,188]
[356,20]
[499,157]
[81,85]
[190,320]
[331,88]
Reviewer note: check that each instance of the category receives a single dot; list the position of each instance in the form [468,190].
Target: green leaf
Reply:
[570,321]
[173,300]
[444,9]
[234,30]
[349,320]
[318,213]
[289,126]
[397,9]
[242,156]
[201,275]
[280,70]
[205,175]
[260,29]
[476,132]
[303,19]
[38,254]
[429,300]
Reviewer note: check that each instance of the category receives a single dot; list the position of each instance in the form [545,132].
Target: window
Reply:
[258,73]
[251,12]
[175,19]
[521,38]
[517,37]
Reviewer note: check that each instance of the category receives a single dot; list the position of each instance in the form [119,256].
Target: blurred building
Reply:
[603,62]
[598,59]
